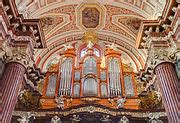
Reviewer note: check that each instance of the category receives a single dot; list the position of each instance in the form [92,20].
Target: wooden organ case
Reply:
[89,76]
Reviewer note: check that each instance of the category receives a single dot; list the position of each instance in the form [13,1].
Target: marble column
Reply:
[11,83]
[169,89]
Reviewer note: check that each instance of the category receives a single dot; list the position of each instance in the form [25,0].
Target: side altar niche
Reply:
[90,77]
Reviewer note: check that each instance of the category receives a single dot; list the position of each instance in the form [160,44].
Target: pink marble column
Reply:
[11,83]
[169,89]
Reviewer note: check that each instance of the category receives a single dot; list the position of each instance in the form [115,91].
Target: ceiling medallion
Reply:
[90,16]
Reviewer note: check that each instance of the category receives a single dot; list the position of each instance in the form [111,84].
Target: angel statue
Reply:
[120,102]
[90,44]
[124,120]
[76,118]
[25,117]
[67,46]
[56,119]
[60,102]
[105,118]
[112,46]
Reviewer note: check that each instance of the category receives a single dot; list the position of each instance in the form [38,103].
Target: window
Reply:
[84,52]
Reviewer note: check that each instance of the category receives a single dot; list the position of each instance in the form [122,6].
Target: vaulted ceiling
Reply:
[65,21]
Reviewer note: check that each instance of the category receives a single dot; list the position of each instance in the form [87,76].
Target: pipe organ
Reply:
[88,80]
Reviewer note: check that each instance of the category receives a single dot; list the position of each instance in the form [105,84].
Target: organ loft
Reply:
[89,61]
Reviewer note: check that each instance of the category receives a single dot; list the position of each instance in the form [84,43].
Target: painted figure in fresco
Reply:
[90,17]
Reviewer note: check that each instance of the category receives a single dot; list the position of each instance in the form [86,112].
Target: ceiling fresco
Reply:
[90,17]
[115,21]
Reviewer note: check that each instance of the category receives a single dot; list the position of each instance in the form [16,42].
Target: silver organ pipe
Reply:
[110,84]
[69,84]
[69,76]
[65,77]
[61,80]
[114,77]
[118,78]
[66,73]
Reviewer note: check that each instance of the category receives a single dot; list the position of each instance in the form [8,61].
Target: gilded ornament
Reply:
[150,100]
[90,36]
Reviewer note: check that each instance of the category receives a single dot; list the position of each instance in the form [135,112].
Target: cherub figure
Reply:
[60,102]
[55,119]
[67,46]
[112,46]
[90,44]
[120,102]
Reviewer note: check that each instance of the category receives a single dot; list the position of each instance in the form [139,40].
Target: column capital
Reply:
[20,55]
[21,52]
[158,55]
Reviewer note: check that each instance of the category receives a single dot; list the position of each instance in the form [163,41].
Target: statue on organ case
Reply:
[90,44]
[60,102]
[120,102]
[55,119]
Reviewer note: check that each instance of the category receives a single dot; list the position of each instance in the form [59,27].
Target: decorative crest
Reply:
[90,37]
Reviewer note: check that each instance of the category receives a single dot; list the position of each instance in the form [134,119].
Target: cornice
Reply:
[20,26]
[91,109]
[161,25]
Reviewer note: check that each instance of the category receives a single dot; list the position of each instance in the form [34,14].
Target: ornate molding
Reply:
[25,117]
[90,109]
[29,99]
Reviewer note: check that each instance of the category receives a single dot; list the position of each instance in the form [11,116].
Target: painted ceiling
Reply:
[115,21]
